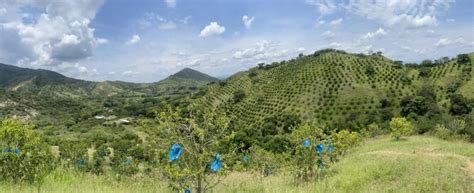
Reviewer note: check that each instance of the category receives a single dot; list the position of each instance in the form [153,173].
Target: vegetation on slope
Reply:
[416,164]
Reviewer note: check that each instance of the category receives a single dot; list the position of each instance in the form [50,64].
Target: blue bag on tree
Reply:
[245,159]
[306,143]
[320,148]
[216,165]
[175,152]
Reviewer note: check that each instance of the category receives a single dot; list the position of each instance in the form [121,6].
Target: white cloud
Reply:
[135,39]
[101,41]
[402,13]
[212,29]
[185,20]
[328,34]
[336,22]
[324,6]
[447,41]
[129,73]
[335,45]
[167,25]
[60,34]
[379,33]
[247,21]
[319,23]
[151,18]
[170,3]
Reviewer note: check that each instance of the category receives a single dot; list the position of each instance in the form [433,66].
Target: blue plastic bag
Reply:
[81,163]
[306,143]
[127,162]
[330,148]
[245,159]
[320,148]
[187,190]
[175,152]
[17,151]
[216,166]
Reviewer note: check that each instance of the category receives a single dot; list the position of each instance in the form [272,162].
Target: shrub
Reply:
[442,132]
[308,161]
[371,130]
[400,127]
[459,105]
[24,157]
[239,95]
[199,136]
[344,140]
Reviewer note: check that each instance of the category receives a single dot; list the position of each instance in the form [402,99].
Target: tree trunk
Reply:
[199,184]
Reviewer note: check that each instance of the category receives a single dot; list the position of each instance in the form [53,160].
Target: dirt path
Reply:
[431,153]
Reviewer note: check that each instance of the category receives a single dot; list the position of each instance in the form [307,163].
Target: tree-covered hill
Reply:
[338,89]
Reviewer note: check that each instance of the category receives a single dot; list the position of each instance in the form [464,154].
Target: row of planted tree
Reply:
[191,149]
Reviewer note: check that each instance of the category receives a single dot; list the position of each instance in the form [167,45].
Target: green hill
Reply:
[185,78]
[330,86]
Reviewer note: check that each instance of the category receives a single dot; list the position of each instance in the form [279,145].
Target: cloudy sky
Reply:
[147,40]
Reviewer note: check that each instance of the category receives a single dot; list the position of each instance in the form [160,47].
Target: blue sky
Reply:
[147,40]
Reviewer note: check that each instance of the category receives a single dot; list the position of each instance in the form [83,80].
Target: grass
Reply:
[416,164]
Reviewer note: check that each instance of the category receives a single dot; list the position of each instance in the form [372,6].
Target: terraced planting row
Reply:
[326,87]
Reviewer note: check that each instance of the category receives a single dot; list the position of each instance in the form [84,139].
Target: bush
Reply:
[239,95]
[459,105]
[307,162]
[442,132]
[200,136]
[400,127]
[344,140]
[371,131]
[24,157]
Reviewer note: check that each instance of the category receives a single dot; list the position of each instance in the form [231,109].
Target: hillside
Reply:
[186,78]
[329,86]
[418,164]
[52,83]
[65,105]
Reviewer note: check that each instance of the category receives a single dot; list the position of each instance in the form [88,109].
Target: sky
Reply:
[147,40]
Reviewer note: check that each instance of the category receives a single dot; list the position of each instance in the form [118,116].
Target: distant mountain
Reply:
[187,77]
[11,76]
[188,74]
[41,81]
[52,83]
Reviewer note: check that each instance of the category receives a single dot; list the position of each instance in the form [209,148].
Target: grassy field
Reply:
[417,164]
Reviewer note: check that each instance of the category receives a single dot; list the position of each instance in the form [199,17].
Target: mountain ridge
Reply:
[39,80]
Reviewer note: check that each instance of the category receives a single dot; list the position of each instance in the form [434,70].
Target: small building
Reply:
[124,121]
[99,117]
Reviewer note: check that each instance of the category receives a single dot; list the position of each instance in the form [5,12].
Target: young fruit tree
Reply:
[189,146]
[24,156]
[400,127]
[314,152]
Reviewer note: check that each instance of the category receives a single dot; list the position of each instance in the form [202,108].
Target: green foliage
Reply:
[442,132]
[371,130]
[459,105]
[369,70]
[463,58]
[201,135]
[239,95]
[400,127]
[306,162]
[344,140]
[24,156]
